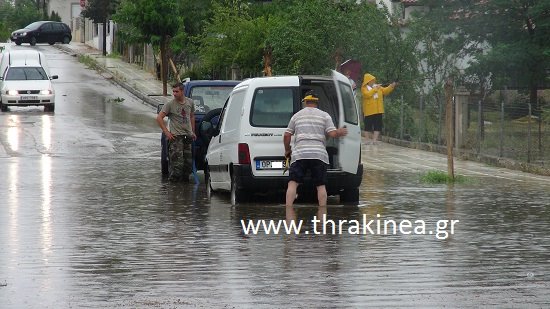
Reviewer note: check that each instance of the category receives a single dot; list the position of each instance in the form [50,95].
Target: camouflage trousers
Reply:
[181,159]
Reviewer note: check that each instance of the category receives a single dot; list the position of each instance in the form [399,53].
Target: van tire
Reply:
[3,108]
[350,196]
[208,182]
[237,195]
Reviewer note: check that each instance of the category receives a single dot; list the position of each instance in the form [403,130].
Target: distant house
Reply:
[83,30]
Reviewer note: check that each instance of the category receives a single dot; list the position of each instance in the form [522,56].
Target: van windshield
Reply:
[26,73]
[272,107]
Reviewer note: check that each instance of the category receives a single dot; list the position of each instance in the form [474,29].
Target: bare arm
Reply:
[162,125]
[286,140]
[338,132]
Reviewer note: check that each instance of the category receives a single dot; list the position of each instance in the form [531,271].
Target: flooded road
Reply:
[86,221]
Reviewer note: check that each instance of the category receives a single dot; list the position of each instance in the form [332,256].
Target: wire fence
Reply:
[508,127]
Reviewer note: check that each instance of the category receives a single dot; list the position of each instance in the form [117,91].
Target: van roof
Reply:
[275,81]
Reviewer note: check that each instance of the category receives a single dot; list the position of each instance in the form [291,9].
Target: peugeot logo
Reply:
[28,92]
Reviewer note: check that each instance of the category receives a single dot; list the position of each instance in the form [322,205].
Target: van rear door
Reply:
[349,148]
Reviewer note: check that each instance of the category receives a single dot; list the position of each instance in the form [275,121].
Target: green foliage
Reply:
[393,111]
[233,37]
[439,177]
[99,10]
[149,20]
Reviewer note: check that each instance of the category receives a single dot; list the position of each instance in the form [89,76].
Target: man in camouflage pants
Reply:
[181,113]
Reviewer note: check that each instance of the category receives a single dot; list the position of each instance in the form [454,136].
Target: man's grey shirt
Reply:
[309,127]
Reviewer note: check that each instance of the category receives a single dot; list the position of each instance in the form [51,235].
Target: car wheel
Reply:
[66,40]
[18,42]
[163,155]
[3,108]
[237,195]
[350,196]
[51,43]
[33,41]
[49,108]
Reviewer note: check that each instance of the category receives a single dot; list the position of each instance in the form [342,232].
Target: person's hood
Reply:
[367,78]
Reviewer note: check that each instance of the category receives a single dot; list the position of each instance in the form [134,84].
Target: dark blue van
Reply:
[209,97]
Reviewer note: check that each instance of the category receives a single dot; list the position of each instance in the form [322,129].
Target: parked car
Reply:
[25,80]
[246,152]
[209,96]
[49,32]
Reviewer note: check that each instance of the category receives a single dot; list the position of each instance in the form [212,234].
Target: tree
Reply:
[508,38]
[151,21]
[100,11]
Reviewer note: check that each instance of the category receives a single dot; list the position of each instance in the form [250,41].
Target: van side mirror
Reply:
[54,77]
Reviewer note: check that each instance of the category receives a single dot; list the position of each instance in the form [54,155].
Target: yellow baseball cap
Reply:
[310,97]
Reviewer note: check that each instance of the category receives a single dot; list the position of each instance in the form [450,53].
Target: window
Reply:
[26,73]
[350,108]
[272,107]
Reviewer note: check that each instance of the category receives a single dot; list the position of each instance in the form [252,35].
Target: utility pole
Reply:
[449,125]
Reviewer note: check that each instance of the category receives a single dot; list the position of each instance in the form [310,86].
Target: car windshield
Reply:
[26,73]
[207,98]
[34,25]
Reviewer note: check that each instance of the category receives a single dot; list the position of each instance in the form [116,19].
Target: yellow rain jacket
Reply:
[373,99]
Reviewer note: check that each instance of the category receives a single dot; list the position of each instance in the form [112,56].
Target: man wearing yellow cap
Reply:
[310,126]
[373,105]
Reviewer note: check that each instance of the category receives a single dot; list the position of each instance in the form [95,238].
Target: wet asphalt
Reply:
[87,221]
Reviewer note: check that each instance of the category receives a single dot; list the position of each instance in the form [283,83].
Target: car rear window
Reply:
[272,107]
[207,98]
[26,73]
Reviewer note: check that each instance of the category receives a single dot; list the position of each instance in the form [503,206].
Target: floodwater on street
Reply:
[86,221]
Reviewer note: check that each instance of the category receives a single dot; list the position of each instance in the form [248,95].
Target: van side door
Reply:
[222,150]
[349,149]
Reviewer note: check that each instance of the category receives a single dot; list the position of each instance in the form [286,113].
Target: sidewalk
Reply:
[131,77]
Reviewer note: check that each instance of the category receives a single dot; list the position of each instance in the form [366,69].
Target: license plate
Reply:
[29,97]
[270,164]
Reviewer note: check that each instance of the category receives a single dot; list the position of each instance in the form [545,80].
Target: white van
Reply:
[246,152]
[25,80]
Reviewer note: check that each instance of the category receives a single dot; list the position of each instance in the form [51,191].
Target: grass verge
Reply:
[438,177]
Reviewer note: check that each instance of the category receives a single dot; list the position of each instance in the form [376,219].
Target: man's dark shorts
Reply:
[318,170]
[373,122]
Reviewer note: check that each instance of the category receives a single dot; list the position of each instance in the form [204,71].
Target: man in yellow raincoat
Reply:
[373,106]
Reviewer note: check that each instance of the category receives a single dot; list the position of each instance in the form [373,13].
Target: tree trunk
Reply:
[163,66]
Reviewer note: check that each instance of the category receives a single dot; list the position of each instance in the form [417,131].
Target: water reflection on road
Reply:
[109,232]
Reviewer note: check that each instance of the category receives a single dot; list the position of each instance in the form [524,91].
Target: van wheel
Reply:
[237,195]
[350,196]
[49,108]
[3,108]
[33,41]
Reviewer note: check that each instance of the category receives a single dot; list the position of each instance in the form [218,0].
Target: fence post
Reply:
[501,142]
[529,136]
[421,118]
[479,124]
[401,120]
